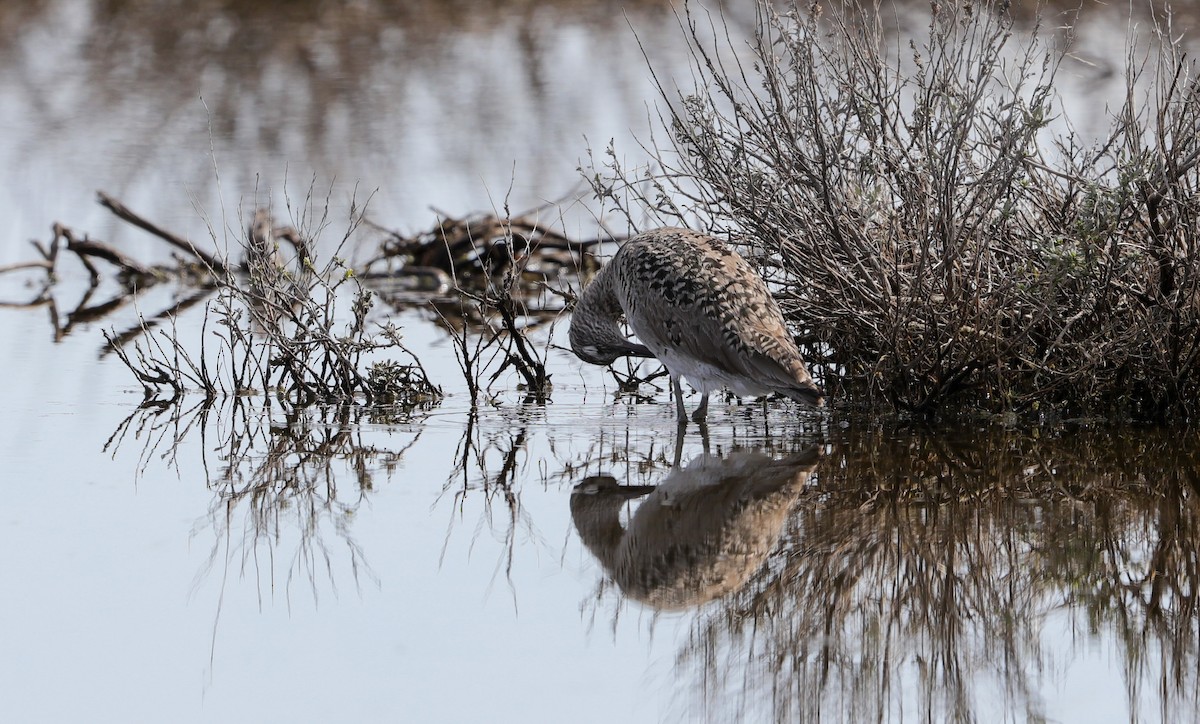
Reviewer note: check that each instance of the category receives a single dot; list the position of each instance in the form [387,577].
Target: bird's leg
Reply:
[679,444]
[702,411]
[678,391]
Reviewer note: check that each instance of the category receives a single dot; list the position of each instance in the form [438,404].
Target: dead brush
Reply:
[284,327]
[490,329]
[931,224]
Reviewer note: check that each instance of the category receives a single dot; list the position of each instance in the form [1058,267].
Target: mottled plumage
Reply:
[698,307]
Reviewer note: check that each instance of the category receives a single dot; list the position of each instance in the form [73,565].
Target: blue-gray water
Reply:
[243,565]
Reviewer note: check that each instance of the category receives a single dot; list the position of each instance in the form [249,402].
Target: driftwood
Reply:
[123,212]
[477,248]
[488,280]
[466,253]
[38,264]
[196,270]
[87,249]
[132,273]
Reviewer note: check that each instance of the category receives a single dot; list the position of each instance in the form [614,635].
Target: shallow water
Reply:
[244,563]
[448,567]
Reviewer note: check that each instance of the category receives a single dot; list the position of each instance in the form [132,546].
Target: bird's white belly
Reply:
[705,377]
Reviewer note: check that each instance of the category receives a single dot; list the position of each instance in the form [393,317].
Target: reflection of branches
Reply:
[921,569]
[489,463]
[161,425]
[280,483]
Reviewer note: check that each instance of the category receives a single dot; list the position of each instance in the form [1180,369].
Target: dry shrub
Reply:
[286,327]
[933,228]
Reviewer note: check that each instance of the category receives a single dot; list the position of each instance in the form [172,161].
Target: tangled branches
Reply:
[288,328]
[930,229]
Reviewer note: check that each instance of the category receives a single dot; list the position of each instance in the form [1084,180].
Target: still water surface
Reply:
[244,563]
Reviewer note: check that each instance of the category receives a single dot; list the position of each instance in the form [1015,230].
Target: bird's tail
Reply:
[806,394]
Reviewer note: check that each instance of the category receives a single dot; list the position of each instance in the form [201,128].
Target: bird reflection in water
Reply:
[700,534]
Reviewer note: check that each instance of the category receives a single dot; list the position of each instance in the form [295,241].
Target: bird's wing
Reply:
[753,342]
[714,308]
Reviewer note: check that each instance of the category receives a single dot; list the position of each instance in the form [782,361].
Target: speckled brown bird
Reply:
[697,306]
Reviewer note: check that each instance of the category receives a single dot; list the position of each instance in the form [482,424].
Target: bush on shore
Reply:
[932,226]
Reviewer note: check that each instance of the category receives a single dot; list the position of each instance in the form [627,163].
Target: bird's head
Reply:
[595,354]
[599,342]
[596,335]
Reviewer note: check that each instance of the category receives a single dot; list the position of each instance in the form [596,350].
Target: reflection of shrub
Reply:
[926,573]
[286,485]
[927,233]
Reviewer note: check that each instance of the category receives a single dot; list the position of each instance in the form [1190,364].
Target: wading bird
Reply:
[698,307]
